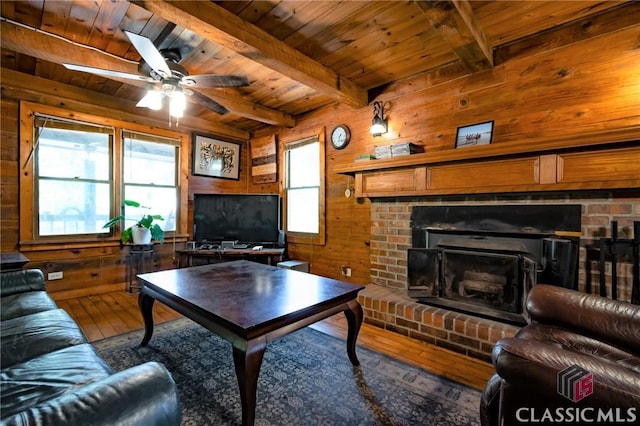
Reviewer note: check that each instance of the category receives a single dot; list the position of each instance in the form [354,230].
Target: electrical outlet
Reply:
[54,276]
[346,271]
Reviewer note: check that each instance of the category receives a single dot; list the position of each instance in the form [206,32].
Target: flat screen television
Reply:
[246,218]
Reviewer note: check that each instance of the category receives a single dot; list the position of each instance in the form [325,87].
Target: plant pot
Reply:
[141,235]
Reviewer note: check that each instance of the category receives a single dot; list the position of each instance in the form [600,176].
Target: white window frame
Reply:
[318,238]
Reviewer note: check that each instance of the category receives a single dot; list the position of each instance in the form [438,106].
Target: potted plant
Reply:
[143,230]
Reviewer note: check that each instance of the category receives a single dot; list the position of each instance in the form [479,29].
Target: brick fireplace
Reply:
[387,304]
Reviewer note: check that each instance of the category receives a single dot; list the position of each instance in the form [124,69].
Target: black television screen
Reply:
[246,218]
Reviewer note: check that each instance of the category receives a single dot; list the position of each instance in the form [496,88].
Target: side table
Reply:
[139,261]
[13,261]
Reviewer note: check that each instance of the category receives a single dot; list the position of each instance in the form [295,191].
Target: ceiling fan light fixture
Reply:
[152,100]
[177,103]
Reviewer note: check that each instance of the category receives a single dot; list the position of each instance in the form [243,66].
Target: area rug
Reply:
[306,379]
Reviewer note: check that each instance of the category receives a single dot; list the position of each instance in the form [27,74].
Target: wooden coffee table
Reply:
[250,304]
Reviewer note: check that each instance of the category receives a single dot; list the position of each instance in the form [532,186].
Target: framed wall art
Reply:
[475,134]
[216,158]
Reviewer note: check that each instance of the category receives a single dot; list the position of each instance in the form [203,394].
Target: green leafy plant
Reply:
[146,221]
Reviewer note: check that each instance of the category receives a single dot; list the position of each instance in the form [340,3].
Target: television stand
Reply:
[199,256]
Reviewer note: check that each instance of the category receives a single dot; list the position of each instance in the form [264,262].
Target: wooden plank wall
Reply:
[588,82]
[100,268]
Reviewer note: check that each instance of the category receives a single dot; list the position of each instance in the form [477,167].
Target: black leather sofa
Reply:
[576,362]
[51,375]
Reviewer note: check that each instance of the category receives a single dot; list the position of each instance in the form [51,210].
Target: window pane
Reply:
[73,166]
[304,166]
[147,162]
[73,154]
[162,201]
[302,210]
[72,207]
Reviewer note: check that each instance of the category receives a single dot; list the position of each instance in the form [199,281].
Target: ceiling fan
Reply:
[163,68]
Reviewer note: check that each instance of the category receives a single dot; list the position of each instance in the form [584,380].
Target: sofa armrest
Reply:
[21,281]
[141,395]
[490,402]
[532,367]
[609,320]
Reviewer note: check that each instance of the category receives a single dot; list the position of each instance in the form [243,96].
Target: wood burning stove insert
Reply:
[484,259]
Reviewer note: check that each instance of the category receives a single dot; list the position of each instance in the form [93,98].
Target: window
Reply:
[77,170]
[304,190]
[72,176]
[151,176]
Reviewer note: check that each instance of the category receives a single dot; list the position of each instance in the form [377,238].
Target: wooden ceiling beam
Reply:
[460,28]
[36,89]
[222,27]
[52,48]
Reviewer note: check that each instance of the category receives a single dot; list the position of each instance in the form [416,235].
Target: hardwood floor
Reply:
[110,314]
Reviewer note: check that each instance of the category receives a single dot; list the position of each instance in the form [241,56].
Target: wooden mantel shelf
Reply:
[505,149]
[599,160]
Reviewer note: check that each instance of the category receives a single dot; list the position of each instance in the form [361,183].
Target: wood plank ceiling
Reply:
[297,55]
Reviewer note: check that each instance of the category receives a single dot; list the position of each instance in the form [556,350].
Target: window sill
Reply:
[84,243]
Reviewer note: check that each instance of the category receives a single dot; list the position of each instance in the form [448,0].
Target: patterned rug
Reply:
[306,379]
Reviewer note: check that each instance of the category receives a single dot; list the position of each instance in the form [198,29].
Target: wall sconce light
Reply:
[378,124]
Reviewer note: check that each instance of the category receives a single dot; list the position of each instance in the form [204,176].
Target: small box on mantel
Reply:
[383,151]
[407,148]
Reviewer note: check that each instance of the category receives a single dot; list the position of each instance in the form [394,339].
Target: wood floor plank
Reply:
[116,313]
[84,319]
[104,324]
[129,318]
[107,310]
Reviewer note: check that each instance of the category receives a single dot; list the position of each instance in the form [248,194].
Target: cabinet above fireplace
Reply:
[603,160]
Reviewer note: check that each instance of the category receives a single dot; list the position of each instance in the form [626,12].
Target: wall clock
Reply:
[340,136]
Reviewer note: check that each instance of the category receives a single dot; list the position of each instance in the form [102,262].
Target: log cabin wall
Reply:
[95,268]
[587,85]
[576,80]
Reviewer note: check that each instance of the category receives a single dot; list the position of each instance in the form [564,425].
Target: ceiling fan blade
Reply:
[211,80]
[209,103]
[109,73]
[149,53]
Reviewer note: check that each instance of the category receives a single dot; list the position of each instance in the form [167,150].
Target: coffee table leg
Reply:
[354,320]
[145,303]
[247,358]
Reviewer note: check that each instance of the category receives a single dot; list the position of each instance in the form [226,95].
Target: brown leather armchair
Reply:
[576,362]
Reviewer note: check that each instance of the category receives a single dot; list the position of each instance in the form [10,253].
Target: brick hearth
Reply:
[385,300]
[394,311]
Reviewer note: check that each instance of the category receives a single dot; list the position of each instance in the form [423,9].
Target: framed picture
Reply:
[216,158]
[475,134]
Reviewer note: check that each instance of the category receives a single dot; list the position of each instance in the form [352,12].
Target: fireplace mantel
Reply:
[595,161]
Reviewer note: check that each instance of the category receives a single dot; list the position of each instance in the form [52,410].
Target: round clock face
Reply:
[340,137]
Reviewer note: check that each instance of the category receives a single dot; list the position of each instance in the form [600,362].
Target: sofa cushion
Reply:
[48,376]
[20,304]
[29,336]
